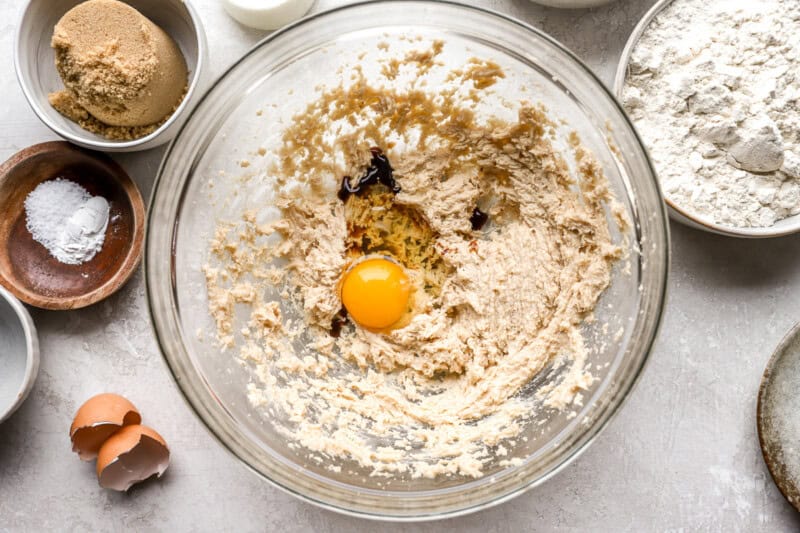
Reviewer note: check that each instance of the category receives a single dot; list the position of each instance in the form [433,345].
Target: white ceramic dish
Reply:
[19,354]
[266,15]
[34,62]
[783,227]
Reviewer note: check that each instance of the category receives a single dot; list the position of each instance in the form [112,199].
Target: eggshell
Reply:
[97,419]
[131,455]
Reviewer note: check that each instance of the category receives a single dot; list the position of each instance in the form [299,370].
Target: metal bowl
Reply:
[19,354]
[676,212]
[34,61]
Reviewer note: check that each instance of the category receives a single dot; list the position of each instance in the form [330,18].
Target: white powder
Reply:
[64,218]
[714,89]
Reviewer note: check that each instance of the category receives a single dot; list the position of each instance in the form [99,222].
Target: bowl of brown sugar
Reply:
[111,75]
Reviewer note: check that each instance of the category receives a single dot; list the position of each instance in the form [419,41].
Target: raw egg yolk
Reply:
[375,293]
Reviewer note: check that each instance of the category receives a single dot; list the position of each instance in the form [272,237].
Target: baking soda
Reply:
[64,218]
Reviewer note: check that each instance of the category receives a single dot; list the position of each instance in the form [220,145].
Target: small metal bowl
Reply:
[34,61]
[676,212]
[19,354]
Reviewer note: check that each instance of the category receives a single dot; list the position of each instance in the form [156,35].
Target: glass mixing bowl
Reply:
[279,75]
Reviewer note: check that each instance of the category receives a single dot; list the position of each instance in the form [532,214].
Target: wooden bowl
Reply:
[26,267]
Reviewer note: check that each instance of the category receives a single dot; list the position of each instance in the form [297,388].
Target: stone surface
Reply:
[682,455]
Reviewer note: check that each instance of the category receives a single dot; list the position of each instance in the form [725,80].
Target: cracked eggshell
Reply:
[131,455]
[97,419]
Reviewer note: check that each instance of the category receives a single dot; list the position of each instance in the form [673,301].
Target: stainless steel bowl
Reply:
[34,61]
[19,354]
[676,212]
[278,76]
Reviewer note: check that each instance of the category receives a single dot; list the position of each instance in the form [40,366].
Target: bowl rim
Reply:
[772,459]
[96,142]
[677,212]
[581,4]
[605,418]
[32,353]
[134,253]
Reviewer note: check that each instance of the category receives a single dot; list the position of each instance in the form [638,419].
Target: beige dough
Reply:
[439,395]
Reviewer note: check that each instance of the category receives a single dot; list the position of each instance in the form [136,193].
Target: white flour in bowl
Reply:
[714,89]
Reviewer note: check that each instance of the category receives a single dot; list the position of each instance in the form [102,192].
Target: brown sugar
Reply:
[123,75]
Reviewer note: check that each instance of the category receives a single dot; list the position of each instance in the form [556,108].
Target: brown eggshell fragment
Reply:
[131,455]
[97,419]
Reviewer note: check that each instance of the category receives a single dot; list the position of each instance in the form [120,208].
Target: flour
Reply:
[714,90]
[64,218]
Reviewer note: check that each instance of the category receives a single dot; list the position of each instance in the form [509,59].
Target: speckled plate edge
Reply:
[676,212]
[785,475]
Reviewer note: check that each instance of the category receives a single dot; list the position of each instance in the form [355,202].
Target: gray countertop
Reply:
[681,456]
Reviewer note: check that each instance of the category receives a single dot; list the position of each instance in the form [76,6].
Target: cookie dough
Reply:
[493,307]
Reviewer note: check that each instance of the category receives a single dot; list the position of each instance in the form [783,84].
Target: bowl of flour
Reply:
[711,87]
